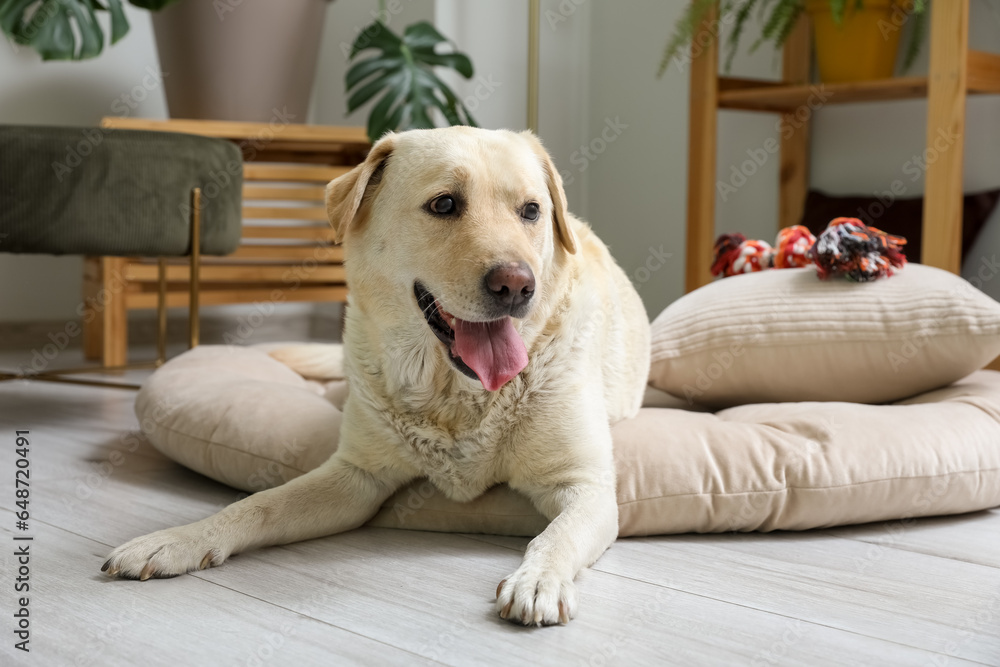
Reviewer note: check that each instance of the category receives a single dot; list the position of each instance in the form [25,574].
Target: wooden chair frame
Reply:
[287,253]
[194,264]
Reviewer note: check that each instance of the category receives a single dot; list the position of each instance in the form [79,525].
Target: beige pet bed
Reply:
[236,415]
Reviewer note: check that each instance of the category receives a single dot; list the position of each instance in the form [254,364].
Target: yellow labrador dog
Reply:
[490,337]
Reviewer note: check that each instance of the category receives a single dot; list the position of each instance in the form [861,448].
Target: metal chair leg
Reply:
[161,320]
[193,324]
[161,311]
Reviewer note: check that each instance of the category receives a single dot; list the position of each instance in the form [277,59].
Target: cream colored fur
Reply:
[411,414]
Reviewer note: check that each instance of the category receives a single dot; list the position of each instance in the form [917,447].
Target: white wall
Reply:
[636,190]
[598,65]
[495,35]
[39,287]
[344,20]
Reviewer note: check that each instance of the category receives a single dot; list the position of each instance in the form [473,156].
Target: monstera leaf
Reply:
[66,29]
[403,72]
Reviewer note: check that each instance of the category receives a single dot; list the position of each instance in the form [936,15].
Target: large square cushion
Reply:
[238,416]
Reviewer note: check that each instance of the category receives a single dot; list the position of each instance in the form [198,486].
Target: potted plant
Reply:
[66,29]
[403,73]
[228,59]
[249,60]
[855,40]
[254,59]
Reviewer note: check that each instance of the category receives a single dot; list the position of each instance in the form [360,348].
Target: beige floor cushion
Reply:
[789,336]
[239,417]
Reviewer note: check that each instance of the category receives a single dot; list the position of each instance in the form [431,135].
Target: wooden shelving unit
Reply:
[955,72]
[287,253]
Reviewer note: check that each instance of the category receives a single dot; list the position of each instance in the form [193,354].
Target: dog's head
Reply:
[458,229]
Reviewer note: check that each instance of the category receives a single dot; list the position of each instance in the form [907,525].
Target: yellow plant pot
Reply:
[863,46]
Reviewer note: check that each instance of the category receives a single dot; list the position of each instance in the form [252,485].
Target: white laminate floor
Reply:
[923,593]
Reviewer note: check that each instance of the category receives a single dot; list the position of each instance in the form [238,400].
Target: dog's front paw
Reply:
[165,553]
[536,596]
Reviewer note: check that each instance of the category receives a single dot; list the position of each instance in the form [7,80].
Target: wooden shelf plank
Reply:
[983,72]
[279,193]
[313,213]
[761,95]
[239,273]
[294,173]
[783,99]
[730,83]
[310,232]
[277,253]
[306,136]
[317,253]
[211,297]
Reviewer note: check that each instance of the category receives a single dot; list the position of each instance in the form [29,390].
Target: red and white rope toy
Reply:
[847,247]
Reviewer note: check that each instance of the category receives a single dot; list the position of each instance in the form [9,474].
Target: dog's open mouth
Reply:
[491,352]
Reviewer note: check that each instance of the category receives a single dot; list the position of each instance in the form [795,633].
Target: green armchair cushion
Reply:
[98,191]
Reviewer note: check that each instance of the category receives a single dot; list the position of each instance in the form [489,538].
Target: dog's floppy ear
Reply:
[345,194]
[560,210]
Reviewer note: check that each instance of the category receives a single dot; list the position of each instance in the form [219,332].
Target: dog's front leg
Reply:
[584,524]
[337,496]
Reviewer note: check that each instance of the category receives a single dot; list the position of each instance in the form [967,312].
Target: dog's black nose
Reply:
[511,284]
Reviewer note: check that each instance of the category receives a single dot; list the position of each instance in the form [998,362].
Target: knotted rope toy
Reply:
[847,248]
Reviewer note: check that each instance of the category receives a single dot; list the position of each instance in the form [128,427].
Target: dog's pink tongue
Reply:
[493,350]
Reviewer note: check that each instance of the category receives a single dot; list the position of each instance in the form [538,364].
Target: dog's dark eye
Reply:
[530,212]
[443,205]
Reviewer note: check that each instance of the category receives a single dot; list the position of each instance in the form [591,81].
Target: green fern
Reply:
[918,15]
[684,31]
[778,18]
[788,25]
[837,8]
[740,22]
[780,22]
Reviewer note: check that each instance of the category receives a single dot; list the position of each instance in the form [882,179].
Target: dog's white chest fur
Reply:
[462,466]
[460,442]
